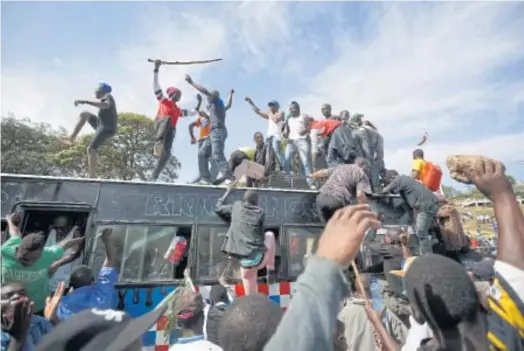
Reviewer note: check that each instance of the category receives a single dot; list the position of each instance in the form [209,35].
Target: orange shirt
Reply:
[205,127]
[327,126]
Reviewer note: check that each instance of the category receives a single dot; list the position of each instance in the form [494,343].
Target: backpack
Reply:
[432,176]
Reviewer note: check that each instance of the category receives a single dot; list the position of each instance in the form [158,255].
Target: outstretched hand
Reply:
[487,174]
[51,304]
[78,102]
[158,63]
[199,97]
[248,99]
[344,232]
[188,79]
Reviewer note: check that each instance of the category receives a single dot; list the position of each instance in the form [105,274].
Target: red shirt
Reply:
[327,126]
[168,108]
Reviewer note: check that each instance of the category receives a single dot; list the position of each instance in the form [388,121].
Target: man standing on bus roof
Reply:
[166,120]
[245,239]
[105,124]
[275,119]
[218,133]
[207,168]
[346,184]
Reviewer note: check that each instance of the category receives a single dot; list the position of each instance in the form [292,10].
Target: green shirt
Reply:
[34,278]
[249,151]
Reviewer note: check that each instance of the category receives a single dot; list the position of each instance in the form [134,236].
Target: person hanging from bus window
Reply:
[245,239]
[27,261]
[419,198]
[275,119]
[166,120]
[218,131]
[345,185]
[104,124]
[62,268]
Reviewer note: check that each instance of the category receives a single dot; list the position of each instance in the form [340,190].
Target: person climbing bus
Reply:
[166,119]
[104,124]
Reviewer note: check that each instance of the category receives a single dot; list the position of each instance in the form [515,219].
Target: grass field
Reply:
[471,226]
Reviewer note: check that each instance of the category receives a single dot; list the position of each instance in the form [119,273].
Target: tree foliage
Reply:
[36,148]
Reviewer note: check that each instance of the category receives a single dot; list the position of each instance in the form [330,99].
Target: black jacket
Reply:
[245,235]
[265,156]
[344,146]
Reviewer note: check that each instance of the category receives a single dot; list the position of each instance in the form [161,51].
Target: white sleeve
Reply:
[513,276]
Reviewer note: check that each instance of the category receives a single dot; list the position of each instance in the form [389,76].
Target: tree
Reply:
[450,191]
[511,179]
[128,155]
[36,148]
[29,147]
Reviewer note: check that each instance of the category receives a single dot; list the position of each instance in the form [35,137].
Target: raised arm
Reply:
[13,224]
[198,87]
[230,99]
[196,111]
[192,126]
[110,247]
[156,87]
[224,211]
[255,108]
[70,256]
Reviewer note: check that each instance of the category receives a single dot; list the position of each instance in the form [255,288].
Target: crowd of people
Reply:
[431,299]
[326,139]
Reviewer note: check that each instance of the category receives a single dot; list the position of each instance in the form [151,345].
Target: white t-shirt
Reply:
[274,129]
[296,126]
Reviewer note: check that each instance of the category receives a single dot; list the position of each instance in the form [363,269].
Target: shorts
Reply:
[101,134]
[253,261]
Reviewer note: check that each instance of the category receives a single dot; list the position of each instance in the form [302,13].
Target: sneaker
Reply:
[313,187]
[220,179]
[204,182]
[195,181]
[227,182]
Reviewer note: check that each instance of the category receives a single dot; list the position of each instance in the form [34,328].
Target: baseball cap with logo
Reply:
[99,329]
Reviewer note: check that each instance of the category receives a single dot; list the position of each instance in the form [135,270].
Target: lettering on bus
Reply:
[193,205]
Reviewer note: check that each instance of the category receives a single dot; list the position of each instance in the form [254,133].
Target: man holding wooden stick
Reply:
[166,119]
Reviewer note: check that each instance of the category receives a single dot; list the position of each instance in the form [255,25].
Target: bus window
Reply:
[210,259]
[301,242]
[143,253]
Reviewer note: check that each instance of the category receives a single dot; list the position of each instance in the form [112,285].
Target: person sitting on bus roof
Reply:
[105,124]
[86,293]
[346,184]
[166,120]
[418,197]
[207,167]
[245,238]
[27,261]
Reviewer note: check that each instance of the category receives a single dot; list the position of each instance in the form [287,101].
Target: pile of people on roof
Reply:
[431,302]
[325,139]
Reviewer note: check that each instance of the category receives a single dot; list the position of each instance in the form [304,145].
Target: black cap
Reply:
[484,270]
[99,329]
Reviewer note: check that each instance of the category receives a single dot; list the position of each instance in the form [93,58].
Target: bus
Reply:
[145,217]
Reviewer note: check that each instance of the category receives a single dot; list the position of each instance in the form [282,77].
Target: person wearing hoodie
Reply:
[245,239]
[86,293]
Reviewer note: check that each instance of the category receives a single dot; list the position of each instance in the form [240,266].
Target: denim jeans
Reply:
[204,153]
[303,147]
[422,225]
[375,177]
[276,144]
[218,138]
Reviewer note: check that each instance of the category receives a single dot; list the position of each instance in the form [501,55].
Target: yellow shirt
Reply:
[250,152]
[419,166]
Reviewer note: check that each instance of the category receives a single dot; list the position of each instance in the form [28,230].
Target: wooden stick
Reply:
[185,62]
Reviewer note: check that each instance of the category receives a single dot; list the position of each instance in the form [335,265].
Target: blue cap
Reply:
[274,103]
[106,88]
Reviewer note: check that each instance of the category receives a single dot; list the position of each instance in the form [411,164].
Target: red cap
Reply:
[172,90]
